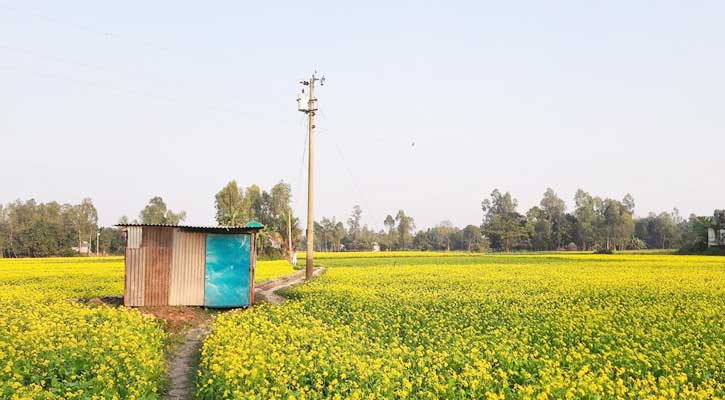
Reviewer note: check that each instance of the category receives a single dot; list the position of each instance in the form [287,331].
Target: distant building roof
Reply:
[250,227]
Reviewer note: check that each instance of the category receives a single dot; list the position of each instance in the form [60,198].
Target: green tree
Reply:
[87,221]
[112,241]
[586,219]
[278,216]
[473,237]
[501,223]
[694,232]
[390,226]
[253,203]
[540,229]
[32,229]
[406,224]
[354,223]
[553,211]
[615,224]
[156,212]
[273,209]
[444,232]
[229,205]
[329,234]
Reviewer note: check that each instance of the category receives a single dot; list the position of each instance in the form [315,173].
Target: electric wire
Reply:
[355,183]
[105,86]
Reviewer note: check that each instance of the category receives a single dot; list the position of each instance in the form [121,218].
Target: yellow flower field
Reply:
[267,270]
[54,347]
[481,327]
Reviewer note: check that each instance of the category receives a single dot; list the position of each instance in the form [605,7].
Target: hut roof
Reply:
[253,226]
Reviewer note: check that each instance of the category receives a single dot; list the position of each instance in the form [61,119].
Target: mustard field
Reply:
[267,270]
[461,326]
[55,346]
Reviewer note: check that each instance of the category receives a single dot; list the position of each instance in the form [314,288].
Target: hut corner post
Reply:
[252,267]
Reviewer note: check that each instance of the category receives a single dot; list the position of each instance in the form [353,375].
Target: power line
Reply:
[81,27]
[82,64]
[103,85]
[302,166]
[354,182]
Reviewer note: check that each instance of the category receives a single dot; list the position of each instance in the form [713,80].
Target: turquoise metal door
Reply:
[226,280]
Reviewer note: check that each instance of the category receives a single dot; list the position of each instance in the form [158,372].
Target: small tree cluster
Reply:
[236,206]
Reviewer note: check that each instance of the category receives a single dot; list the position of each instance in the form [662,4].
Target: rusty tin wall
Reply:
[187,269]
[157,268]
[134,281]
[134,235]
[156,236]
[157,244]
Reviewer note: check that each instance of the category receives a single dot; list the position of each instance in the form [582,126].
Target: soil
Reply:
[179,318]
[108,300]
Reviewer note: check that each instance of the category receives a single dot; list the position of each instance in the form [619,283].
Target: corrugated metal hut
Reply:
[190,265]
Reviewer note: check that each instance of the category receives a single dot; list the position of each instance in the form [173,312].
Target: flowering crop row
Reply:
[267,270]
[52,346]
[506,326]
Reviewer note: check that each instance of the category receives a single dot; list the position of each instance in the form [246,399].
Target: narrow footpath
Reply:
[265,292]
[184,361]
[185,356]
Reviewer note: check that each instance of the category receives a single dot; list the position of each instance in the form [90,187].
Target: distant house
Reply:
[716,233]
[715,237]
[376,246]
[84,249]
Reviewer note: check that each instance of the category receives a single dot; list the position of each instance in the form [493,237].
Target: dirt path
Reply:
[183,364]
[185,356]
[265,292]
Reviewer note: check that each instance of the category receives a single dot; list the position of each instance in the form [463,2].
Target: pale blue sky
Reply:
[121,101]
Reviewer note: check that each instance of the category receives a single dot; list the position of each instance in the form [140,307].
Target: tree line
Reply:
[594,224]
[32,229]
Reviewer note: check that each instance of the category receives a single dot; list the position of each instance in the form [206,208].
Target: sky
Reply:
[427,106]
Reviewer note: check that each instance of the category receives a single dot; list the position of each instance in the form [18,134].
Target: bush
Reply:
[271,254]
[571,247]
[635,243]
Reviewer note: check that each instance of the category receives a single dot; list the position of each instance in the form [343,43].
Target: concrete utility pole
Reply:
[310,111]
[289,232]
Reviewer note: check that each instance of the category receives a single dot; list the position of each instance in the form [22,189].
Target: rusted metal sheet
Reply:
[133,294]
[134,234]
[155,237]
[157,268]
[187,269]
